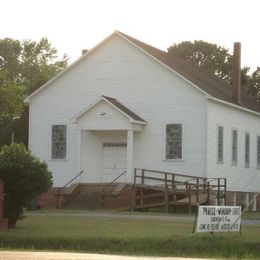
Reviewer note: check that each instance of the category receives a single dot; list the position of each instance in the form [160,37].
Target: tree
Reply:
[11,91]
[24,67]
[39,63]
[252,85]
[24,177]
[212,58]
[11,100]
[217,60]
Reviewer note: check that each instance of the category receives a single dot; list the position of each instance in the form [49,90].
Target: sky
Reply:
[73,25]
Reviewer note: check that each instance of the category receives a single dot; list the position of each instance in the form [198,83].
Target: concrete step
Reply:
[89,196]
[96,187]
[86,200]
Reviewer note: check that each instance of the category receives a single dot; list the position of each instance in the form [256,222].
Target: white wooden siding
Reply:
[239,177]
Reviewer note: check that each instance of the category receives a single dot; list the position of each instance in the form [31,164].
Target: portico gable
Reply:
[105,116]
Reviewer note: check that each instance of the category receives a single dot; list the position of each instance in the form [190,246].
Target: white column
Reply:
[78,150]
[130,155]
[254,202]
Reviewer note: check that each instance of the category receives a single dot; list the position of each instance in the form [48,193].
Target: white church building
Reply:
[125,104]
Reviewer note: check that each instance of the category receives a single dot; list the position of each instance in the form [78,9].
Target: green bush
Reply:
[24,177]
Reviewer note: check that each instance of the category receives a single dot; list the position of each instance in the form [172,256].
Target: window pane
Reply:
[174,141]
[220,143]
[234,147]
[258,151]
[58,142]
[247,150]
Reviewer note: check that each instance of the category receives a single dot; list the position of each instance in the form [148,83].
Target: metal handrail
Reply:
[64,186]
[108,185]
[112,182]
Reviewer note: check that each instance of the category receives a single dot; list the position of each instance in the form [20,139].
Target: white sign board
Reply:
[218,219]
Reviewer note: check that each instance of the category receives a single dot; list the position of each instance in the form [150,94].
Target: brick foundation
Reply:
[48,200]
[3,221]
[123,200]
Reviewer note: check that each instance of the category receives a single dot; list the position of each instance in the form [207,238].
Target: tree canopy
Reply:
[24,66]
[216,60]
[252,84]
[11,91]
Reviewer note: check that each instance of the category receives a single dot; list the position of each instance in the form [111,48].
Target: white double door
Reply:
[113,162]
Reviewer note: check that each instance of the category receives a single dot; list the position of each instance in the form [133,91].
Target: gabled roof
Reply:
[212,85]
[118,106]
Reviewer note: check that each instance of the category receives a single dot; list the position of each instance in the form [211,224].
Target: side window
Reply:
[247,150]
[174,141]
[220,144]
[258,151]
[58,142]
[234,147]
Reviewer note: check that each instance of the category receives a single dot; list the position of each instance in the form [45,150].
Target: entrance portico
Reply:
[105,146]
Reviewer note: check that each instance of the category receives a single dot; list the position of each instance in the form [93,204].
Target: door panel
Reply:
[113,162]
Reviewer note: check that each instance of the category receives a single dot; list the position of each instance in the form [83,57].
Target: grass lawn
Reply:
[251,215]
[76,231]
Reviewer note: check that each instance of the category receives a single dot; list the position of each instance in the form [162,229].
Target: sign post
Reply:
[218,219]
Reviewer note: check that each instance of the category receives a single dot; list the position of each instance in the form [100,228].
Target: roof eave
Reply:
[233,105]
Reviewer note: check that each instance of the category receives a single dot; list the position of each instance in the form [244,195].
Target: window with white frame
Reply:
[247,150]
[174,141]
[234,147]
[220,143]
[258,151]
[58,142]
